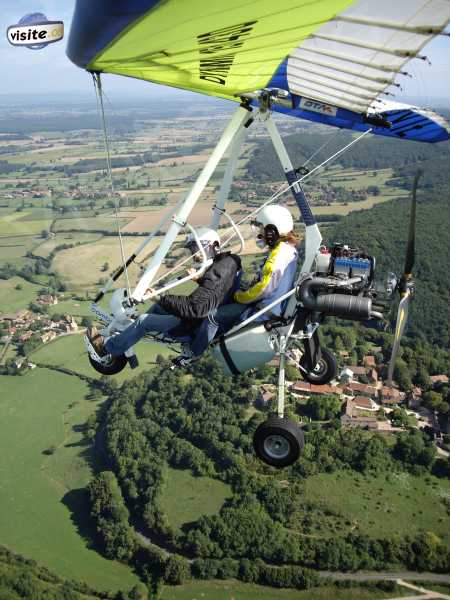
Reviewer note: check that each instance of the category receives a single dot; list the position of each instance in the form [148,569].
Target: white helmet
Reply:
[278,216]
[209,239]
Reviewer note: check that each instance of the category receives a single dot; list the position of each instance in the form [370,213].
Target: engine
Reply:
[342,285]
[346,263]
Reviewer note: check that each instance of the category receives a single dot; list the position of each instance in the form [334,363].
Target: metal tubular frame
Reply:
[228,176]
[240,117]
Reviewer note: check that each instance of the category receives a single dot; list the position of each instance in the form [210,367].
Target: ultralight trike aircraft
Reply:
[327,62]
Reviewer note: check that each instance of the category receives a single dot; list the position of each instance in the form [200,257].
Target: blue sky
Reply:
[25,72]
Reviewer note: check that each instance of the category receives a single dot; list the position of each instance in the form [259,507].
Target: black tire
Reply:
[325,371]
[113,366]
[278,442]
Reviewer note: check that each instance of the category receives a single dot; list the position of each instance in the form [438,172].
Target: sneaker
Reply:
[186,351]
[97,341]
[181,362]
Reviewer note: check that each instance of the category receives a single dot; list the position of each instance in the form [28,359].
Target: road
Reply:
[388,576]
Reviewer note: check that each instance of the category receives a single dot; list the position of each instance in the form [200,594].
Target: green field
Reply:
[14,248]
[77,308]
[14,224]
[68,351]
[396,503]
[40,495]
[12,300]
[49,245]
[186,498]
[234,590]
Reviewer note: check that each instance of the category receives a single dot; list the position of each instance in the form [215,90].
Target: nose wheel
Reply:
[278,442]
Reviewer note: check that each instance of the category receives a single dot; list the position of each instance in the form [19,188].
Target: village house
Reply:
[26,336]
[326,390]
[434,379]
[369,361]
[47,336]
[300,388]
[357,371]
[414,398]
[352,418]
[372,375]
[346,375]
[266,394]
[364,403]
[390,396]
[47,300]
[355,388]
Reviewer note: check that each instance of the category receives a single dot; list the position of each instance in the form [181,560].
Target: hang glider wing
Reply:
[335,59]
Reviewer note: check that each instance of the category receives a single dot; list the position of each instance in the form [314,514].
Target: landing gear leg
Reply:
[279,441]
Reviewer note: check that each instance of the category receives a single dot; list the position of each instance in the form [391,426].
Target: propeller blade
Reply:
[402,317]
[411,245]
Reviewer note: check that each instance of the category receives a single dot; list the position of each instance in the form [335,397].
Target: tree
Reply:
[176,570]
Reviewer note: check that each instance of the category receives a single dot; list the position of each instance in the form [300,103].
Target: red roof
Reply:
[363,402]
[367,390]
[325,389]
[301,386]
[369,361]
[357,370]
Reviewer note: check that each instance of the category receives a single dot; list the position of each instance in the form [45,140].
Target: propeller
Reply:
[405,286]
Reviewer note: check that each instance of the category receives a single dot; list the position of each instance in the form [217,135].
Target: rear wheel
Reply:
[278,442]
[113,365]
[323,372]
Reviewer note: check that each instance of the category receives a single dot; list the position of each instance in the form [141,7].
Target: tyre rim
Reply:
[320,367]
[276,447]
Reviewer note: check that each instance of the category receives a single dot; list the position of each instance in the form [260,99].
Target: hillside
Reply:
[370,153]
[382,231]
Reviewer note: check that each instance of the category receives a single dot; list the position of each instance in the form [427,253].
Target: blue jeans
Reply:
[156,320]
[224,318]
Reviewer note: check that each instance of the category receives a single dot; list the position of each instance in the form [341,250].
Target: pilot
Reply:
[274,230]
[178,316]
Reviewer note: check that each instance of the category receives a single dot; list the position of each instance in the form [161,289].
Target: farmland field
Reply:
[40,494]
[393,503]
[13,224]
[13,299]
[234,590]
[186,498]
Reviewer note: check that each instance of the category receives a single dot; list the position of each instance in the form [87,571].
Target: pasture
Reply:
[16,293]
[14,248]
[235,590]
[41,495]
[47,246]
[16,224]
[200,496]
[81,266]
[393,503]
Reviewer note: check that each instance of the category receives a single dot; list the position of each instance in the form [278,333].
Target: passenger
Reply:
[274,279]
[177,316]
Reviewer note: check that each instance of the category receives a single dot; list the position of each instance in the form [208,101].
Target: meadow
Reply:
[234,590]
[16,294]
[381,505]
[201,496]
[41,495]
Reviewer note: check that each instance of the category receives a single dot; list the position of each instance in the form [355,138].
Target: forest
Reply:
[196,420]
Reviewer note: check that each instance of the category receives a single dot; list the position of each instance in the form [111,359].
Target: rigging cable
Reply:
[324,145]
[274,196]
[99,94]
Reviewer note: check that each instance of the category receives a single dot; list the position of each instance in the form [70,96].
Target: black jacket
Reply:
[214,288]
